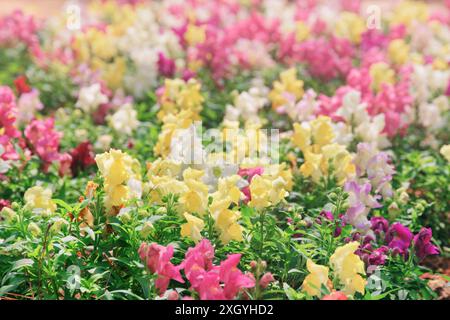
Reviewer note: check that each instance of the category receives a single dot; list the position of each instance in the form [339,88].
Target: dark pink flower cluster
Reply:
[211,282]
[397,240]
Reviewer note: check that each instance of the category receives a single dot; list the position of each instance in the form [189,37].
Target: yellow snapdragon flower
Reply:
[287,85]
[39,200]
[266,191]
[445,151]
[315,139]
[317,132]
[117,168]
[350,26]
[317,277]
[226,224]
[195,35]
[381,74]
[398,51]
[192,228]
[180,95]
[195,199]
[348,268]
[182,120]
[161,186]
[301,31]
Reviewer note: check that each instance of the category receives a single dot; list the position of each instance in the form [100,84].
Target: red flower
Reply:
[21,84]
[82,157]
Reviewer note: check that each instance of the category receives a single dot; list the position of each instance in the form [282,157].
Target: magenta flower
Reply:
[166,66]
[379,224]
[378,256]
[399,238]
[157,259]
[423,245]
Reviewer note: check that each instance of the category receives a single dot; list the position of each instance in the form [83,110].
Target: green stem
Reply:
[262,216]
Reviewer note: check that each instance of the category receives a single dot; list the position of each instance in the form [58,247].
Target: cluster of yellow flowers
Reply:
[288,85]
[315,140]
[350,26]
[246,143]
[180,106]
[348,268]
[271,187]
[117,169]
[99,47]
[408,11]
[193,202]
[179,95]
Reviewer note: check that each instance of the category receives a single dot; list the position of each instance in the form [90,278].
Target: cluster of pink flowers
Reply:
[8,116]
[18,27]
[211,282]
[43,140]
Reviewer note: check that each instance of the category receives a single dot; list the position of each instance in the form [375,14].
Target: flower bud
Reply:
[161,210]
[8,214]
[34,229]
[146,230]
[266,279]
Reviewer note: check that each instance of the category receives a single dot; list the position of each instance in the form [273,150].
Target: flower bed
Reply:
[225,150]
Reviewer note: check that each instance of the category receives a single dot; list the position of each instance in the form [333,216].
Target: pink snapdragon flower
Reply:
[232,277]
[157,259]
[214,282]
[18,27]
[44,140]
[8,117]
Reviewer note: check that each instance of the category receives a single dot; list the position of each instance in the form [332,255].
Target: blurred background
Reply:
[46,8]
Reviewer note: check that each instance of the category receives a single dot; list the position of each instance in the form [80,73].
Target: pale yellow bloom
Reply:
[381,74]
[317,277]
[192,228]
[445,151]
[39,200]
[226,224]
[287,85]
[350,26]
[301,31]
[348,268]
[398,51]
[408,11]
[195,35]
[195,199]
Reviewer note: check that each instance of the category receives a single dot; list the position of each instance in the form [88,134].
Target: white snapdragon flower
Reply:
[125,119]
[89,98]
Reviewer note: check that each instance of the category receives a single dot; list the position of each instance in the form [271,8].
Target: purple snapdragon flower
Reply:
[423,245]
[379,225]
[399,238]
